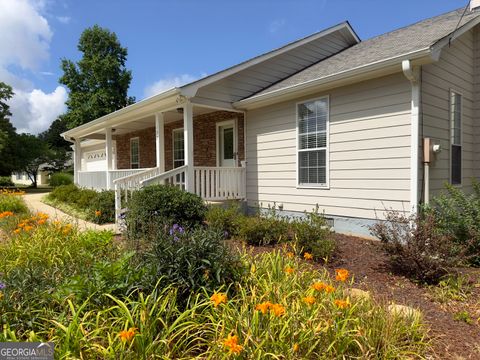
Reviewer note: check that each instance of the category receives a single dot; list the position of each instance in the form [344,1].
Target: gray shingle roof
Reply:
[409,39]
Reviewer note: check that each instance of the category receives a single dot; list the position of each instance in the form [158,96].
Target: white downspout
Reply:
[413,75]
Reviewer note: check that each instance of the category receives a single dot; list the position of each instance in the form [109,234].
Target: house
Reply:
[22,178]
[328,119]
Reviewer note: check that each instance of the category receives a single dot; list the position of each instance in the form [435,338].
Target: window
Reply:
[178,148]
[135,153]
[456,138]
[312,142]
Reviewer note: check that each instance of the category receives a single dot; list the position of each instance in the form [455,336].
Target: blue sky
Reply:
[170,41]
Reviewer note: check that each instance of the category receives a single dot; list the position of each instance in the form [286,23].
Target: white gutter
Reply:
[109,119]
[413,75]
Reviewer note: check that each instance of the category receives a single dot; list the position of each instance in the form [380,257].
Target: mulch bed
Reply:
[451,339]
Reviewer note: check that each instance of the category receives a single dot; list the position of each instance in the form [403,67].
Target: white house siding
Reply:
[369,152]
[454,71]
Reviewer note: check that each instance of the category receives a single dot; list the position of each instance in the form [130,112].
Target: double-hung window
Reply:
[135,153]
[312,124]
[455,138]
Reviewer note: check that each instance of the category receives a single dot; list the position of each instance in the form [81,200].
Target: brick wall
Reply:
[204,139]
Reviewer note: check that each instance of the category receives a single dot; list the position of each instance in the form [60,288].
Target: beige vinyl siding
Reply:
[454,71]
[369,152]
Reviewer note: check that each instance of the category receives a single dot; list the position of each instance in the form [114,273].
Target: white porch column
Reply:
[77,160]
[160,141]
[109,153]
[188,145]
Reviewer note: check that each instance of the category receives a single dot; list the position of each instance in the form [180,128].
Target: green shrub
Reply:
[192,259]
[225,219]
[312,234]
[259,230]
[416,248]
[84,198]
[458,217]
[65,193]
[101,209]
[58,179]
[163,204]
[13,203]
[6,181]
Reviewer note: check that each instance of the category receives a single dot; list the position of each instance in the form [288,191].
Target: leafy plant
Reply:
[452,288]
[264,228]
[6,181]
[313,235]
[416,248]
[60,178]
[162,204]
[12,202]
[225,219]
[191,259]
[458,216]
[101,208]
[463,316]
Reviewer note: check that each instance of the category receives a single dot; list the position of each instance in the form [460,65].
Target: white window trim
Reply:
[325,186]
[232,122]
[177,130]
[131,163]
[450,143]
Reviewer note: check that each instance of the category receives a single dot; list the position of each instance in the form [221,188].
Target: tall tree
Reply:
[52,135]
[99,82]
[33,153]
[7,132]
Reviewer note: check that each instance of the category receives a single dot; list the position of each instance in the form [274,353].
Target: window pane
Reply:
[456,164]
[456,138]
[228,143]
[312,167]
[134,153]
[178,149]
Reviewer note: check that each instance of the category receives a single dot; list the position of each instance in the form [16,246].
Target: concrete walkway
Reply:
[35,204]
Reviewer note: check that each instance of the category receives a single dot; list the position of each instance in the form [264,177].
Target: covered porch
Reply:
[198,148]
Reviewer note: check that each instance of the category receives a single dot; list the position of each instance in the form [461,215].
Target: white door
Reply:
[226,136]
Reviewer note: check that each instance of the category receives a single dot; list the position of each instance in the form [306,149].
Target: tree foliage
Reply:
[7,132]
[99,82]
[33,153]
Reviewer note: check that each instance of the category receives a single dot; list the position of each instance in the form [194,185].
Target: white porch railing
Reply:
[220,183]
[98,179]
[210,183]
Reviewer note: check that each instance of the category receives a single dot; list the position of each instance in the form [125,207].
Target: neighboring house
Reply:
[21,178]
[328,120]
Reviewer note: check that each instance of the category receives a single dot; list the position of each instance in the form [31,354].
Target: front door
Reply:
[226,145]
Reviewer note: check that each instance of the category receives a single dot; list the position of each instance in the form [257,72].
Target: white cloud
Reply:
[34,111]
[170,82]
[64,19]
[25,37]
[276,25]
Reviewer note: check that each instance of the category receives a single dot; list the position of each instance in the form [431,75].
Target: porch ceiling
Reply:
[145,122]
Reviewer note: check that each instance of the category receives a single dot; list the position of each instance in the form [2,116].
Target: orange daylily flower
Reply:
[98,213]
[289,270]
[310,300]
[290,255]
[341,304]
[231,343]
[278,309]
[264,307]
[329,289]
[295,347]
[218,298]
[127,335]
[307,256]
[341,275]
[6,214]
[319,286]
